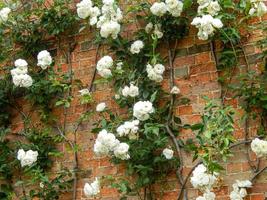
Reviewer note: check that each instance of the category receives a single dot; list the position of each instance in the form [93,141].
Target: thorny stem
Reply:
[179,172]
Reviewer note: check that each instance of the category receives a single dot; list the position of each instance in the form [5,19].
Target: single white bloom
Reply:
[92,189]
[136,47]
[110,29]
[121,151]
[168,153]
[44,59]
[131,91]
[101,107]
[158,9]
[84,8]
[104,66]
[149,27]
[175,90]
[4,12]
[84,92]
[20,63]
[142,110]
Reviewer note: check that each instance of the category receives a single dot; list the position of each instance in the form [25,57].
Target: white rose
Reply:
[44,59]
[175,90]
[110,28]
[27,158]
[121,151]
[142,110]
[217,23]
[84,92]
[136,47]
[157,31]
[4,12]
[149,27]
[168,153]
[84,8]
[101,107]
[91,189]
[20,63]
[158,9]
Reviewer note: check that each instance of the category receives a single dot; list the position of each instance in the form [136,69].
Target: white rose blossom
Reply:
[86,9]
[142,110]
[136,47]
[175,7]
[101,107]
[239,190]
[19,74]
[131,91]
[168,153]
[27,158]
[121,151]
[175,90]
[155,72]
[104,66]
[158,9]
[92,189]
[84,92]
[129,128]
[44,59]
[201,179]
[4,12]
[259,147]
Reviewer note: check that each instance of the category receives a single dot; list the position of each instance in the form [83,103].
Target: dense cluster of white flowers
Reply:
[91,189]
[104,66]
[210,7]
[240,191]
[206,25]
[136,47]
[107,19]
[206,21]
[86,9]
[201,179]
[107,143]
[154,29]
[4,12]
[20,75]
[131,91]
[175,7]
[155,72]
[27,158]
[142,110]
[44,59]
[101,107]
[207,195]
[84,92]
[129,128]
[259,147]
[258,7]
[168,153]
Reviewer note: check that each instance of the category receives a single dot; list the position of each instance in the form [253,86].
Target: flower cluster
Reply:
[259,147]
[206,25]
[85,9]
[129,128]
[136,47]
[142,110]
[44,59]
[155,72]
[201,179]
[240,191]
[207,195]
[4,12]
[107,20]
[107,143]
[207,22]
[168,153]
[104,66]
[27,158]
[91,189]
[131,91]
[175,7]
[20,75]
[154,29]
[258,7]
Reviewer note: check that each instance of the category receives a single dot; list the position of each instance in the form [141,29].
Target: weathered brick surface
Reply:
[196,76]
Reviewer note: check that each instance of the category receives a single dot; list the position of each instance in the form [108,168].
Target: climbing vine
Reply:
[146,135]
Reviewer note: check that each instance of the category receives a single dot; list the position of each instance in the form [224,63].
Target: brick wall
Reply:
[196,75]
